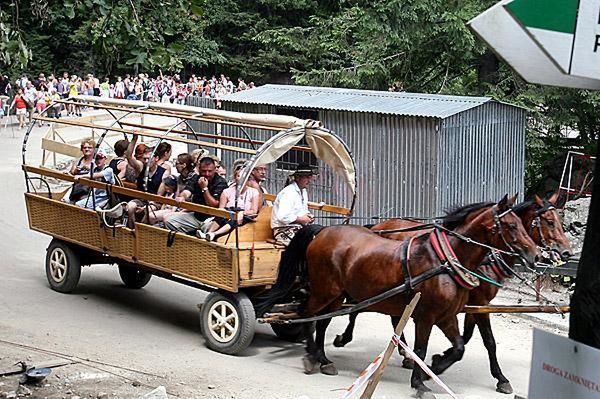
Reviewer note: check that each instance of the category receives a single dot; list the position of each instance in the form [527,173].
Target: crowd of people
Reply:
[196,177]
[27,96]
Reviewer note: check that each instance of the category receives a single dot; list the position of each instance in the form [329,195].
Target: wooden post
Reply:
[584,324]
[372,384]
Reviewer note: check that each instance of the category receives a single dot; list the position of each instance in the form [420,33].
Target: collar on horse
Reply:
[444,251]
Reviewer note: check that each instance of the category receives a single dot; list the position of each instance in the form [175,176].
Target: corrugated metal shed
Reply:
[416,154]
[336,99]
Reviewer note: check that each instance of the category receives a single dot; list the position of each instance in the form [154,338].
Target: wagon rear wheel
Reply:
[228,322]
[133,277]
[63,266]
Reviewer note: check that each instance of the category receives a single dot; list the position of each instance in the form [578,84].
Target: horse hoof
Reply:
[421,389]
[309,363]
[338,342]
[408,363]
[329,369]
[504,387]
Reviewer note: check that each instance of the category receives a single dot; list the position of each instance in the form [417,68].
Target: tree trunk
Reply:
[584,324]
[487,68]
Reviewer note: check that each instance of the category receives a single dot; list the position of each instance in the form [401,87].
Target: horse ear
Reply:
[513,200]
[538,201]
[554,198]
[503,204]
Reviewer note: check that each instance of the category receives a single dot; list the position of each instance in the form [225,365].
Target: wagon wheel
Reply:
[63,266]
[228,322]
[291,332]
[133,277]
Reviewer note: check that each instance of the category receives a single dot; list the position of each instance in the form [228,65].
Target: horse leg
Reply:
[310,360]
[423,331]
[469,327]
[407,362]
[439,363]
[346,336]
[485,328]
[327,366]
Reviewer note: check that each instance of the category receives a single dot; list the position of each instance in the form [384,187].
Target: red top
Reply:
[20,102]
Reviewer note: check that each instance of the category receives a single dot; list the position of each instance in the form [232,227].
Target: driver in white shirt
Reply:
[290,209]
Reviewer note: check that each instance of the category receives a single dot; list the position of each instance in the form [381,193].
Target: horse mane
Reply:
[521,208]
[456,216]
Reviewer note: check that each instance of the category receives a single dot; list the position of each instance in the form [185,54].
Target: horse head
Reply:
[507,230]
[545,227]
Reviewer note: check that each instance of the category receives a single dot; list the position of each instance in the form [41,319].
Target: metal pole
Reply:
[584,325]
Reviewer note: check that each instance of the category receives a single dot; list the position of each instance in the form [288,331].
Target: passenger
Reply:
[101,173]
[164,151]
[119,164]
[140,164]
[169,190]
[198,153]
[257,179]
[205,189]
[290,210]
[247,202]
[82,167]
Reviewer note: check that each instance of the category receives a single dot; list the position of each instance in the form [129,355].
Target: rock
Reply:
[11,395]
[75,397]
[136,383]
[211,386]
[575,217]
[23,391]
[158,393]
[102,395]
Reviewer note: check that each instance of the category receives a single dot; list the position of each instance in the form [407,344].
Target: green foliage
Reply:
[421,46]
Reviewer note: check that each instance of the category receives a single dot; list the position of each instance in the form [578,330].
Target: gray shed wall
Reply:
[482,155]
[413,166]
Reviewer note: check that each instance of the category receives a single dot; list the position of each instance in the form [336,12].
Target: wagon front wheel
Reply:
[63,267]
[228,322]
[134,277]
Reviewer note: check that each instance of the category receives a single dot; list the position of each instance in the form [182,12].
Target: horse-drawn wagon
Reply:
[233,268]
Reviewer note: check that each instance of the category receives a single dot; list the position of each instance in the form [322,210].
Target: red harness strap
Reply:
[444,259]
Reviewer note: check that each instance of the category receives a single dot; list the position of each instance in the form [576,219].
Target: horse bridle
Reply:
[537,223]
[497,228]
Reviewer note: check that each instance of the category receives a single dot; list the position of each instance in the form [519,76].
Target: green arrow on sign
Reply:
[551,23]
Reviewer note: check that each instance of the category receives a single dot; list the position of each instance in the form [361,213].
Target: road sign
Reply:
[517,47]
[567,30]
[563,368]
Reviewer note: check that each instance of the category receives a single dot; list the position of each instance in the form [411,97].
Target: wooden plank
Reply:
[61,148]
[175,114]
[129,192]
[266,264]
[209,136]
[147,134]
[516,309]
[318,206]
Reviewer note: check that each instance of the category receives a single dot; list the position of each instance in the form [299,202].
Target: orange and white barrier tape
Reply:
[423,366]
[364,376]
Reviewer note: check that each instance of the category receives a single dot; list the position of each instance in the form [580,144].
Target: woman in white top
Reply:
[248,202]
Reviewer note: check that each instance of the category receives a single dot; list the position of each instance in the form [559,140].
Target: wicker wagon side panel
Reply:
[64,220]
[190,257]
[119,242]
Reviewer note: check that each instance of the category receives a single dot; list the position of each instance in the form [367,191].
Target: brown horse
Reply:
[353,263]
[544,227]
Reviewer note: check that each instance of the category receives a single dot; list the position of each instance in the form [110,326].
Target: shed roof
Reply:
[338,99]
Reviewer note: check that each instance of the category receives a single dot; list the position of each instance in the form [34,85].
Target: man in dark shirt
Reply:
[204,189]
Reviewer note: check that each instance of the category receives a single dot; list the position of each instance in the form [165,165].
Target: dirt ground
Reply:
[128,342]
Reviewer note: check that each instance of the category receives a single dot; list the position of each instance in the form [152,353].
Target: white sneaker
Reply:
[201,234]
[210,236]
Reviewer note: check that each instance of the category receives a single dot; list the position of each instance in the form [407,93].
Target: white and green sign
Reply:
[550,42]
[567,30]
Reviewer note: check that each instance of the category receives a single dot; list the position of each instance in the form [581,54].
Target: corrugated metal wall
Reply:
[482,155]
[411,166]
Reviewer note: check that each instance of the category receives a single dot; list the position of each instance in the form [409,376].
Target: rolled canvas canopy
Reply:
[323,143]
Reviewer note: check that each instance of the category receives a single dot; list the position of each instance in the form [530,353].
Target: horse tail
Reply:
[292,264]
[293,259]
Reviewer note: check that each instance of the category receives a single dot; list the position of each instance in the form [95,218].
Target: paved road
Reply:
[156,329]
